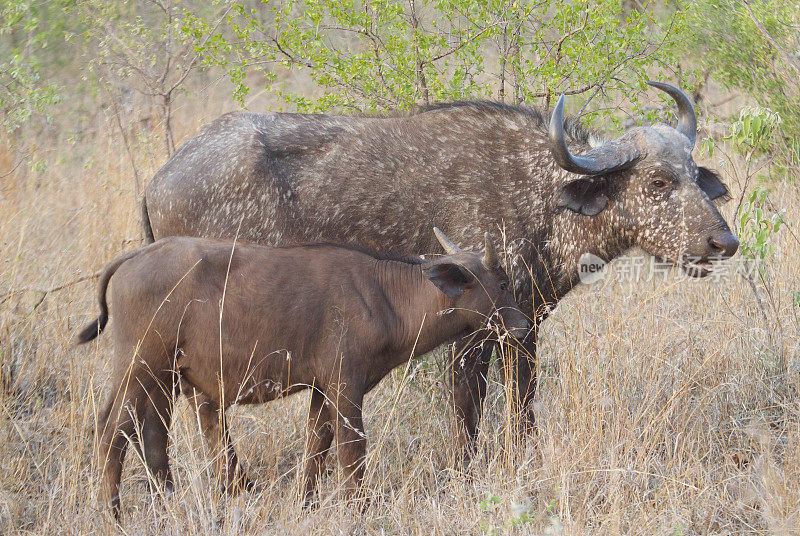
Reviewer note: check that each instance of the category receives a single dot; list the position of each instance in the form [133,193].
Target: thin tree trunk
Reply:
[136,182]
[420,73]
[166,111]
[516,54]
[503,62]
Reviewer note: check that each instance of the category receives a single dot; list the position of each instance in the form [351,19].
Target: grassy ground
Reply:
[660,407]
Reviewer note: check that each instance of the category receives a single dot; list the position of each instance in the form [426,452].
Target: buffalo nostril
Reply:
[724,245]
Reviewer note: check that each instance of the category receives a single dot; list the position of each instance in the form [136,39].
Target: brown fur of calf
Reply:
[330,318]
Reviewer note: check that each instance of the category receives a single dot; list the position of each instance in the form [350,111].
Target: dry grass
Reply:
[660,410]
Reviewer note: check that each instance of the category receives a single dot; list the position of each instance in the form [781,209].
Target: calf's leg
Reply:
[218,438]
[351,441]
[123,418]
[319,435]
[155,436]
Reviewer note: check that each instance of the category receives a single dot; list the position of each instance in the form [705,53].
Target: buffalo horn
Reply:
[490,254]
[612,156]
[687,120]
[447,244]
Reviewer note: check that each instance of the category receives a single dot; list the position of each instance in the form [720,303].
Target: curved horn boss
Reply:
[612,156]
[621,153]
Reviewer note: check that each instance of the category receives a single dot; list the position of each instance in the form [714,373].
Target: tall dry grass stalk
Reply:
[659,408]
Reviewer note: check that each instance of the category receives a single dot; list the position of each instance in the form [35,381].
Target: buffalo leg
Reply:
[469,365]
[523,383]
[218,438]
[154,437]
[119,424]
[351,441]
[319,435]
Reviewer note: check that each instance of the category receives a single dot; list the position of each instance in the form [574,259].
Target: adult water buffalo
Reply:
[382,182]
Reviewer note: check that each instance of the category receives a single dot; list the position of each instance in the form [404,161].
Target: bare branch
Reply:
[462,44]
[13,169]
[289,56]
[44,291]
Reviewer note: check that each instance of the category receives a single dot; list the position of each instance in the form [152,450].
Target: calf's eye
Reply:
[660,183]
[503,285]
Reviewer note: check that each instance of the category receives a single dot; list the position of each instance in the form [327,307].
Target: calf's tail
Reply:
[148,229]
[96,328]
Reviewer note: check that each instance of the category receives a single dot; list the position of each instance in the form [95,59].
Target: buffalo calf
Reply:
[244,324]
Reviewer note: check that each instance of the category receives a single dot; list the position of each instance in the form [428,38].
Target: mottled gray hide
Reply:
[382,182]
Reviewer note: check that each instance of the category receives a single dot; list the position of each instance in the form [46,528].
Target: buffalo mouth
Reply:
[697,267]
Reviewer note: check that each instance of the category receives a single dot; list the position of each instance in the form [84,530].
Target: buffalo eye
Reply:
[659,183]
[503,285]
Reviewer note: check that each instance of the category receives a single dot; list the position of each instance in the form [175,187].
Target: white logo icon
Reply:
[590,268]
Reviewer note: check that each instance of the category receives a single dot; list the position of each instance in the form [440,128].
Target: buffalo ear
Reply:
[587,196]
[451,278]
[712,185]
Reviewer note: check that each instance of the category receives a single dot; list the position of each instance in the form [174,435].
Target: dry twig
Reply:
[44,291]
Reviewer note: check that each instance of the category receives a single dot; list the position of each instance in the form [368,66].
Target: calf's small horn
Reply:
[447,244]
[490,254]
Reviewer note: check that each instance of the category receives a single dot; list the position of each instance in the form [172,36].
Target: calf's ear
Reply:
[587,196]
[451,278]
[712,185]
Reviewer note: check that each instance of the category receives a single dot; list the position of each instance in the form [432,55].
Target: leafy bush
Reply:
[385,54]
[753,45]
[28,28]
[757,224]
[753,133]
